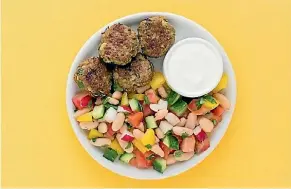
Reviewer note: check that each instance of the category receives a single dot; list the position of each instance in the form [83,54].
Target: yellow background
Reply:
[40,39]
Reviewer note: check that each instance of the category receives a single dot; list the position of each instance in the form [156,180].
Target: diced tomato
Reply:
[147,111]
[110,132]
[192,105]
[133,162]
[141,161]
[135,119]
[81,100]
[218,111]
[152,96]
[165,148]
[127,108]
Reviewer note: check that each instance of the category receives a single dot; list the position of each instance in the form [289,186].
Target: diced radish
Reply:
[199,134]
[127,136]
[126,146]
[165,126]
[153,98]
[206,124]
[172,119]
[110,115]
[147,110]
[124,109]
[202,146]
[218,111]
[135,119]
[188,144]
[81,100]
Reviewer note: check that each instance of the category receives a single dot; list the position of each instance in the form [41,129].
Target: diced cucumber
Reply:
[179,107]
[171,142]
[126,157]
[173,97]
[160,165]
[151,122]
[98,111]
[116,87]
[110,154]
[134,105]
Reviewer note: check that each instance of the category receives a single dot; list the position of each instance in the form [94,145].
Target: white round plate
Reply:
[184,28]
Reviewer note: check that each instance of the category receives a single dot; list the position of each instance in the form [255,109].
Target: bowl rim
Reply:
[182,169]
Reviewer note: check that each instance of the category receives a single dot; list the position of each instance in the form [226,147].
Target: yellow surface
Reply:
[40,39]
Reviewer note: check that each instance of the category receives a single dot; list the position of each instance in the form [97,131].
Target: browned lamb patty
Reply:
[119,44]
[93,75]
[156,36]
[138,74]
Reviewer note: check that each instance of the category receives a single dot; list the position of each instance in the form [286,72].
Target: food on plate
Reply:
[92,75]
[156,36]
[138,74]
[137,118]
[119,44]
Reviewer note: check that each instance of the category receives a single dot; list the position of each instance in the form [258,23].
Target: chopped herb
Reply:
[128,145]
[198,105]
[146,99]
[184,135]
[214,122]
[80,84]
[150,157]
[93,139]
[107,106]
[210,99]
[128,126]
[178,153]
[80,71]
[148,146]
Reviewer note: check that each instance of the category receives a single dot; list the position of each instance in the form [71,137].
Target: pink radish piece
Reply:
[199,134]
[123,109]
[202,146]
[127,136]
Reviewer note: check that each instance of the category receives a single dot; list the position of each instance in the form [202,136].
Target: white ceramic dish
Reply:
[184,28]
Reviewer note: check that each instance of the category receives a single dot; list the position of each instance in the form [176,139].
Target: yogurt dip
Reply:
[193,67]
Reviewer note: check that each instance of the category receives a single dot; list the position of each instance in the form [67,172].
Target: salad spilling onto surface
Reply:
[152,127]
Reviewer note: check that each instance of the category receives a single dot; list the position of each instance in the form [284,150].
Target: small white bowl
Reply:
[192,63]
[184,28]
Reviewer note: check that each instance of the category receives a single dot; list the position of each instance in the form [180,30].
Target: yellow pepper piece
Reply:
[138,96]
[94,134]
[210,105]
[115,146]
[157,81]
[124,99]
[222,84]
[139,146]
[87,117]
[148,137]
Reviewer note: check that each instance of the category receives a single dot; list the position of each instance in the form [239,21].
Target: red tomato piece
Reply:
[81,100]
[141,161]
[218,111]
[165,148]
[147,111]
[192,105]
[152,96]
[135,119]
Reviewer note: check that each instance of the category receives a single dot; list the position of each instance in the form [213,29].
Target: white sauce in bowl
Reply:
[193,67]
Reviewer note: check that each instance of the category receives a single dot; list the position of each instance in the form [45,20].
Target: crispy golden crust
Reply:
[93,76]
[138,74]
[156,36]
[118,45]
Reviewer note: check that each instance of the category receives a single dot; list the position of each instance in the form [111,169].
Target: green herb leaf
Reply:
[128,145]
[107,106]
[80,84]
[210,99]
[178,153]
[146,99]
[148,146]
[214,122]
[184,135]
[128,126]
[80,71]
[151,157]
[93,139]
